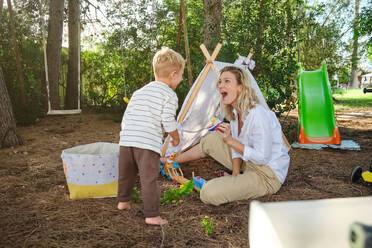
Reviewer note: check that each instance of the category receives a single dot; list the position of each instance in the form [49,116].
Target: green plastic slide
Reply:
[317,122]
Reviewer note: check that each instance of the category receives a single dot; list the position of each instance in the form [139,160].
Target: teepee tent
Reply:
[202,102]
[200,106]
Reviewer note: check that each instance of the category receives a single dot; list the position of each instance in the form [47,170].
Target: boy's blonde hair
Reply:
[166,61]
[247,98]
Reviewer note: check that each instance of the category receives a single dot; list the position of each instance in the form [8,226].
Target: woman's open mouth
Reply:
[223,94]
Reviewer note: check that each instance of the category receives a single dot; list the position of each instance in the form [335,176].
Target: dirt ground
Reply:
[35,209]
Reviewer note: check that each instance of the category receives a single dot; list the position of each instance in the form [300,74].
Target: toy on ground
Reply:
[358,173]
[215,123]
[360,235]
[172,170]
[316,118]
[221,172]
[365,90]
[198,181]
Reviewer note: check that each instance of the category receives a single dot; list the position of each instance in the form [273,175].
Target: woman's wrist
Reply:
[229,141]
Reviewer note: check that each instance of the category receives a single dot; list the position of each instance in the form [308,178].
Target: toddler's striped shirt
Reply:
[150,112]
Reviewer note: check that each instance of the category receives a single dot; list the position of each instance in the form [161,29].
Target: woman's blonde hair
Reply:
[166,61]
[247,98]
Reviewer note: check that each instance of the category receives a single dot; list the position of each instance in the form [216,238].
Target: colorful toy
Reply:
[198,182]
[172,170]
[215,123]
[358,173]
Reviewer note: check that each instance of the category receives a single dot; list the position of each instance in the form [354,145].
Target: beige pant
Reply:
[256,180]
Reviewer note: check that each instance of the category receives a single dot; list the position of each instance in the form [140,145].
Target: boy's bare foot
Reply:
[123,205]
[156,221]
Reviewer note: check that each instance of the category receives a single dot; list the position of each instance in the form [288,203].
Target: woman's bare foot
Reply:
[225,174]
[156,221]
[123,205]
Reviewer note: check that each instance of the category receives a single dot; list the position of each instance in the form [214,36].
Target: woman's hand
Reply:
[224,131]
[175,141]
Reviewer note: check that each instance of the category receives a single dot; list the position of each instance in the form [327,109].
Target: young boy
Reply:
[150,112]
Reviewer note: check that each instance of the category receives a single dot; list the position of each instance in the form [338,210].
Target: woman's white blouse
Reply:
[261,135]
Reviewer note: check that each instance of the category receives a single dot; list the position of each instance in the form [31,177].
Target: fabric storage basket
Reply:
[91,170]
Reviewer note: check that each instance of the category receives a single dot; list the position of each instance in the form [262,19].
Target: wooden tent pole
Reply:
[200,80]
[211,58]
[286,141]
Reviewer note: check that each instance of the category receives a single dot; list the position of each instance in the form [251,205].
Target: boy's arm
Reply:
[168,115]
[175,137]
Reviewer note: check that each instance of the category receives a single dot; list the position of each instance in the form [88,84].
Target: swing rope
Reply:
[51,111]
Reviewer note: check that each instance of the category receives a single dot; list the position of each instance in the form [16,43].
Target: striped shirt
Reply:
[151,112]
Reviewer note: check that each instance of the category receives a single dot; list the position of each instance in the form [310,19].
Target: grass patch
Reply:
[352,98]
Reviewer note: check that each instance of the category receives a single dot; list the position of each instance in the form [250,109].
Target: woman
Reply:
[251,145]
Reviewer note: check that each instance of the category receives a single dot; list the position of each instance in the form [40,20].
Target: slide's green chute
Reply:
[316,116]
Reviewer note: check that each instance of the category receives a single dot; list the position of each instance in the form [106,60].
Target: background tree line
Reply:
[117,58]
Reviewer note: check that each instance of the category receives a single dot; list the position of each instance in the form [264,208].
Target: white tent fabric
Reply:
[205,106]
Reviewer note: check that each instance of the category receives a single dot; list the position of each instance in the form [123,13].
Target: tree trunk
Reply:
[73,73]
[17,55]
[54,44]
[1,6]
[186,39]
[179,30]
[259,44]
[8,134]
[43,74]
[354,82]
[212,23]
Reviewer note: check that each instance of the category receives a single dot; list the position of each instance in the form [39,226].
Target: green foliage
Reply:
[365,23]
[136,198]
[172,195]
[29,44]
[320,36]
[208,225]
[81,119]
[122,62]
[148,25]
[102,79]
[267,30]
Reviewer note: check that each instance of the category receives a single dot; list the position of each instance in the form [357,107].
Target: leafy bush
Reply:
[32,68]
[172,195]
